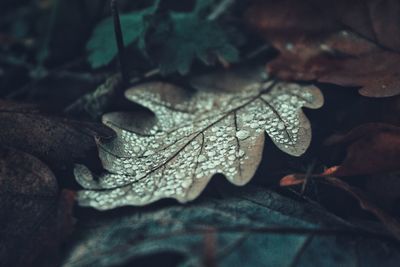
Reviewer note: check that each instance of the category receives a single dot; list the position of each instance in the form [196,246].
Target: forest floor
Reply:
[125,127]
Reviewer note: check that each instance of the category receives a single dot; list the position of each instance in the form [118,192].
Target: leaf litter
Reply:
[350,44]
[35,217]
[166,38]
[57,141]
[361,50]
[217,129]
[365,202]
[371,148]
[250,227]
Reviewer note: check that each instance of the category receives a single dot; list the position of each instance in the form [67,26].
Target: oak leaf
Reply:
[217,129]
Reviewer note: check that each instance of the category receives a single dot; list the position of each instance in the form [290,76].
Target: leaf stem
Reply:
[220,9]
[119,38]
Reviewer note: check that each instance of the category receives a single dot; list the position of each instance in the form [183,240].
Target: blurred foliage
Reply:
[39,35]
[253,227]
[170,39]
[102,47]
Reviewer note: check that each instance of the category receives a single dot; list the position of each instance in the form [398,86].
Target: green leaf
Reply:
[173,43]
[190,37]
[255,227]
[102,47]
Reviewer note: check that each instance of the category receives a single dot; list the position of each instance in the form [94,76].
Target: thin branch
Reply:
[307,178]
[220,9]
[119,38]
[258,51]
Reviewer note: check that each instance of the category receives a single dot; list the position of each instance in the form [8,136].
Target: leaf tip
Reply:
[290,180]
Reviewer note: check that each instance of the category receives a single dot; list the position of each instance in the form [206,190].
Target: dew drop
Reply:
[201,158]
[148,153]
[179,175]
[213,138]
[254,125]
[232,157]
[242,134]
[281,126]
[211,153]
[186,183]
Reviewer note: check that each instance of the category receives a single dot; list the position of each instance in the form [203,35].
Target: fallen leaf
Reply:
[57,141]
[367,204]
[371,148]
[385,189]
[255,227]
[315,42]
[35,217]
[377,21]
[217,129]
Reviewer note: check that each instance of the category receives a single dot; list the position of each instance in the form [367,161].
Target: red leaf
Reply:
[35,217]
[314,45]
[371,148]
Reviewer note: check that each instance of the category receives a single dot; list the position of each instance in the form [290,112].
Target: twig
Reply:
[119,38]
[149,74]
[210,248]
[388,221]
[220,9]
[7,59]
[309,172]
[24,89]
[257,52]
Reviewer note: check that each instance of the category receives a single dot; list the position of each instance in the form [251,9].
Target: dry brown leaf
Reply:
[385,188]
[371,148]
[35,217]
[57,141]
[217,129]
[376,20]
[315,42]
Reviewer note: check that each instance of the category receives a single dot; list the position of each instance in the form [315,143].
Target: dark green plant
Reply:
[172,40]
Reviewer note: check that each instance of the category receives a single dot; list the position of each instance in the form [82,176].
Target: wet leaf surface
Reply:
[255,227]
[217,129]
[35,217]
